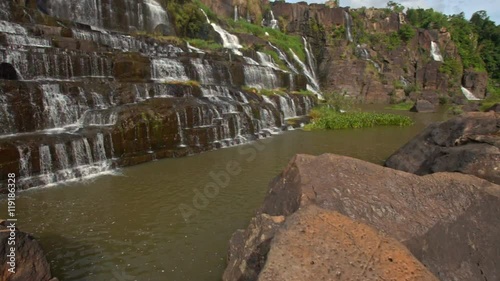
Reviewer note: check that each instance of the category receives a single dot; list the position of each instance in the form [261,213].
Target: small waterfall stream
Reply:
[468,94]
[348,26]
[274,22]
[435,52]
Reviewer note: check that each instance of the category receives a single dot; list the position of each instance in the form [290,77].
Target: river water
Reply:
[130,226]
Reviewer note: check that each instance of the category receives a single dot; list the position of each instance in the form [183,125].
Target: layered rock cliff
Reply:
[85,87]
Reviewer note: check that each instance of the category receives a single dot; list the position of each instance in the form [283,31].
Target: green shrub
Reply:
[406,32]
[329,119]
[204,44]
[401,106]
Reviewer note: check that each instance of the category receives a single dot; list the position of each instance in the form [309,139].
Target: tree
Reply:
[395,7]
[406,32]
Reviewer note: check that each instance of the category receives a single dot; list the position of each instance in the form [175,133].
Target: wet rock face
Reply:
[328,196]
[123,15]
[469,144]
[31,263]
[7,71]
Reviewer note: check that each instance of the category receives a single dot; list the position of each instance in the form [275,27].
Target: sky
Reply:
[492,7]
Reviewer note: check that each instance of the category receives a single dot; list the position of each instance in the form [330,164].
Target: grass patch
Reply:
[281,40]
[191,83]
[493,97]
[204,44]
[328,119]
[401,106]
[304,92]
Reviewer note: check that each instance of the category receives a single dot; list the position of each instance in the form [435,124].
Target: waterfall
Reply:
[468,94]
[287,106]
[260,77]
[274,22]
[157,15]
[46,164]
[229,40]
[167,70]
[180,130]
[250,61]
[348,26]
[59,110]
[12,28]
[204,70]
[310,59]
[99,118]
[141,14]
[435,52]
[24,40]
[6,117]
[364,54]
[313,85]
[283,57]
[194,49]
[235,12]
[24,161]
[267,61]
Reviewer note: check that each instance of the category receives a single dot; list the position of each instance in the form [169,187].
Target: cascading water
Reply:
[164,69]
[156,14]
[348,26]
[260,77]
[75,104]
[59,109]
[274,22]
[468,94]
[267,61]
[364,54]
[204,71]
[141,14]
[229,40]
[313,85]
[194,49]
[435,52]
[310,59]
[283,57]
[236,13]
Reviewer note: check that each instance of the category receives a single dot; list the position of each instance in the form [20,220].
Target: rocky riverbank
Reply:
[332,217]
[468,144]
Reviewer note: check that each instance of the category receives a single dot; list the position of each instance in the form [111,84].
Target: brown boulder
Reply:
[468,144]
[318,244]
[415,210]
[31,263]
[423,106]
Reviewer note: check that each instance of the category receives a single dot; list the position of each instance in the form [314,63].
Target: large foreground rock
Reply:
[330,246]
[448,221]
[469,144]
[31,264]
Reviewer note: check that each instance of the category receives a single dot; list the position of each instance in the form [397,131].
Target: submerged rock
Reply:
[423,106]
[468,144]
[30,262]
[415,210]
